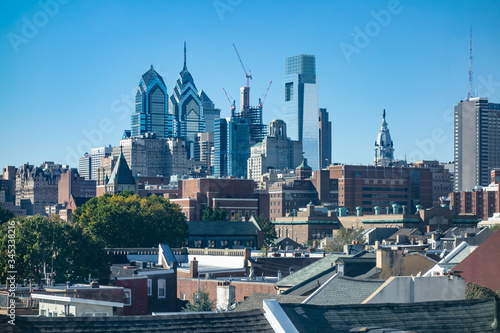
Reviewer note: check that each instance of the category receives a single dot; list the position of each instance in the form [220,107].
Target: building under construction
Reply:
[258,130]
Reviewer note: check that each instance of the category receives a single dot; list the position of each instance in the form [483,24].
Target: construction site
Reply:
[253,114]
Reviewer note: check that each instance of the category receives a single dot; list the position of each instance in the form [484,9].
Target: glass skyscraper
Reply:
[300,106]
[231,147]
[186,108]
[151,114]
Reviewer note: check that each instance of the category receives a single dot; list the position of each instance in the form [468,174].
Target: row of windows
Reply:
[211,243]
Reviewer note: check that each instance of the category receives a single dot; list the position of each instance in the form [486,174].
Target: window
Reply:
[161,288]
[237,242]
[288,91]
[249,243]
[211,243]
[183,296]
[198,243]
[43,312]
[128,297]
[150,287]
[224,243]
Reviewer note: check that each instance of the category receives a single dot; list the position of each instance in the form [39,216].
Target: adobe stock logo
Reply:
[363,38]
[223,6]
[31,26]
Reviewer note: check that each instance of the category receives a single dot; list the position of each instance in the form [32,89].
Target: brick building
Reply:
[369,186]
[306,225]
[237,196]
[288,196]
[37,187]
[442,182]
[225,235]
[71,184]
[483,202]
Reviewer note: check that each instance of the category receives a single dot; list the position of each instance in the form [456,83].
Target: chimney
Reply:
[193,272]
[247,256]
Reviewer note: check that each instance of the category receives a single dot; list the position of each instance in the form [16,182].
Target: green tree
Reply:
[474,291]
[215,214]
[64,248]
[126,220]
[345,237]
[200,303]
[5,215]
[267,228]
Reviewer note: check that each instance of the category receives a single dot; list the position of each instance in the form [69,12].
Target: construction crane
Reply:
[261,102]
[247,72]
[233,107]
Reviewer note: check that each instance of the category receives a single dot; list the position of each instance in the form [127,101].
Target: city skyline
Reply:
[68,84]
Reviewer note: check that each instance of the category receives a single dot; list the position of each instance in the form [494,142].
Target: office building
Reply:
[151,114]
[300,107]
[8,183]
[325,139]
[203,145]
[257,130]
[186,108]
[211,113]
[231,147]
[220,148]
[95,159]
[85,166]
[276,151]
[384,147]
[477,138]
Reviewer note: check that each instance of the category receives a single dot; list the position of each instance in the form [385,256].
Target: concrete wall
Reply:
[409,289]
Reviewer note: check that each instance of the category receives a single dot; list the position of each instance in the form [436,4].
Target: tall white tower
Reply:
[384,147]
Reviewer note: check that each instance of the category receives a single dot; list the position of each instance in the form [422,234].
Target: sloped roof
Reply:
[80,201]
[441,316]
[482,266]
[150,75]
[311,271]
[250,321]
[304,165]
[255,301]
[121,173]
[217,228]
[203,96]
[345,290]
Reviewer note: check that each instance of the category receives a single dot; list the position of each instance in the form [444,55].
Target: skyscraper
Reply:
[220,148]
[231,147]
[85,166]
[210,112]
[384,147]
[477,142]
[151,114]
[186,108]
[325,139]
[300,107]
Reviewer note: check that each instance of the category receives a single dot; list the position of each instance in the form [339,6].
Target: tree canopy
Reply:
[215,214]
[5,215]
[201,303]
[474,290]
[65,249]
[345,237]
[126,220]
[267,228]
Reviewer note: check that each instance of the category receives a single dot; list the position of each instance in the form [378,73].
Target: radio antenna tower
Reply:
[471,91]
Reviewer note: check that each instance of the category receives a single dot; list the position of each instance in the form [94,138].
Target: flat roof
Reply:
[75,300]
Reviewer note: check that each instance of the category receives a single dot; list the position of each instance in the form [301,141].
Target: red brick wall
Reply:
[138,287]
[243,290]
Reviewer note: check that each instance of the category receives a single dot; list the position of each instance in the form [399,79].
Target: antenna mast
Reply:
[471,91]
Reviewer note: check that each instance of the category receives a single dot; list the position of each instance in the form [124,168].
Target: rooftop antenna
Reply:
[471,91]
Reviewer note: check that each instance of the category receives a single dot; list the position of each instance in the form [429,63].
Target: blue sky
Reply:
[69,71]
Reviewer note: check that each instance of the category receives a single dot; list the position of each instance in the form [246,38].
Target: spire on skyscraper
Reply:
[185,66]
